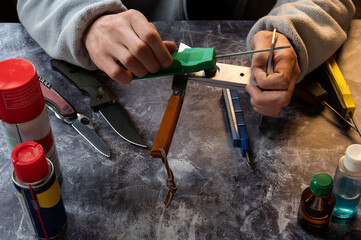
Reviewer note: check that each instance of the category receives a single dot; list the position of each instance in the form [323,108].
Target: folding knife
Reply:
[102,100]
[64,111]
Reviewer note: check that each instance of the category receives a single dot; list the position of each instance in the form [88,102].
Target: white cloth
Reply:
[316,28]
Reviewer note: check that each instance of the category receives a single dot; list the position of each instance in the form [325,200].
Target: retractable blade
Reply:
[341,88]
[65,111]
[312,92]
[101,100]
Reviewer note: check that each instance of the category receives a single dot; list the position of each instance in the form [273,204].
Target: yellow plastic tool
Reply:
[335,75]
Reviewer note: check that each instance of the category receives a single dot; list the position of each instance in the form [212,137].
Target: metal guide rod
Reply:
[344,119]
[251,52]
[356,128]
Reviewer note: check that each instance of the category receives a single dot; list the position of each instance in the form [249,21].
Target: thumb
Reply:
[253,90]
[171,46]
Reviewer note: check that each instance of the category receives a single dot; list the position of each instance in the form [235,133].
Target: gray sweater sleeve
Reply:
[316,28]
[58,25]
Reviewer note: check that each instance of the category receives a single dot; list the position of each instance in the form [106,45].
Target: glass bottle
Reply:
[317,203]
[347,188]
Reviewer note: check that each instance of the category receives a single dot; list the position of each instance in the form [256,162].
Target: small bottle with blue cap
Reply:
[317,204]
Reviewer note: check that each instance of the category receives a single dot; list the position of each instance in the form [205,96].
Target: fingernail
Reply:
[249,89]
[167,63]
[254,74]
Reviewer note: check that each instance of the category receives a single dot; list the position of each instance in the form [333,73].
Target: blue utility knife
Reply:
[237,123]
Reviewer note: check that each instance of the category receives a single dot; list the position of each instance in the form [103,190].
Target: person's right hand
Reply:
[127,38]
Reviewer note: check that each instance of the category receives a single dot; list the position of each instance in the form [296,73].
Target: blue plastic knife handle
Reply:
[236,120]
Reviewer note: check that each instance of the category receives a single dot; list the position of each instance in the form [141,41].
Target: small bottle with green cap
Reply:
[317,203]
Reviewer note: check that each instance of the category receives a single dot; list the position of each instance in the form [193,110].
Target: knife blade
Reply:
[101,99]
[66,112]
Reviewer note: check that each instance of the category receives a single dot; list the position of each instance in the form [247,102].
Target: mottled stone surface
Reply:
[219,197]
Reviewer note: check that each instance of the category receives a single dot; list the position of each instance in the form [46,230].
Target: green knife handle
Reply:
[86,81]
[167,127]
[188,61]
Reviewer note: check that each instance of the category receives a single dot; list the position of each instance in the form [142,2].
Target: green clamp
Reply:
[188,61]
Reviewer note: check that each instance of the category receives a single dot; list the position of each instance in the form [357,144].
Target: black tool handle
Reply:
[311,91]
[86,81]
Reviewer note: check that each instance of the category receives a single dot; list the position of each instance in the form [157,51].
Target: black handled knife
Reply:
[101,99]
[65,111]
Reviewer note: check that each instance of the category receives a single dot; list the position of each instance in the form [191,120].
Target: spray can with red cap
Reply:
[23,112]
[38,191]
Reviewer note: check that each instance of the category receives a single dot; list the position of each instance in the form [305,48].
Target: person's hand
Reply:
[127,38]
[275,90]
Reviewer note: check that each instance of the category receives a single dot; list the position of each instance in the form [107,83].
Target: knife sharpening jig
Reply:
[198,65]
[194,64]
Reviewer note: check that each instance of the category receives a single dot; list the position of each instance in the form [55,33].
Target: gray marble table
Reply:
[219,197]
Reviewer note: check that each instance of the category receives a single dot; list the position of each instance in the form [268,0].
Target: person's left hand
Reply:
[127,38]
[274,90]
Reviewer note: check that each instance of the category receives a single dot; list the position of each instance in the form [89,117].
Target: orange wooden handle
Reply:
[167,126]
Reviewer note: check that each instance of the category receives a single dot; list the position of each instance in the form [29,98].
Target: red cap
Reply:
[21,99]
[29,162]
